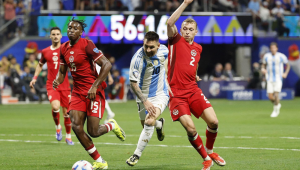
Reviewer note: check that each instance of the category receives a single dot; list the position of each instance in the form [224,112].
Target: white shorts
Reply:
[160,102]
[274,86]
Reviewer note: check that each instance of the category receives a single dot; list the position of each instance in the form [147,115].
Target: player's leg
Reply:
[146,134]
[110,113]
[78,119]
[270,91]
[95,110]
[65,96]
[55,104]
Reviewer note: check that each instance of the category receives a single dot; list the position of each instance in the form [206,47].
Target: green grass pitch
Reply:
[248,139]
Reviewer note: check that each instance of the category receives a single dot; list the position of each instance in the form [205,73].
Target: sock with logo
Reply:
[144,139]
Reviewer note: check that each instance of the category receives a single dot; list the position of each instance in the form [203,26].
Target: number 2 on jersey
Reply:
[192,62]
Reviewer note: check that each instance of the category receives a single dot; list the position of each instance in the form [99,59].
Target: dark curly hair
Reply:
[80,22]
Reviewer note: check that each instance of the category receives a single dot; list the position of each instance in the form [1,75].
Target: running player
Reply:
[60,97]
[187,98]
[88,99]
[148,81]
[273,69]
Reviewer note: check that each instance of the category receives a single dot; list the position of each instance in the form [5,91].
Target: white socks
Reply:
[144,139]
[100,159]
[68,136]
[57,127]
[158,124]
[209,151]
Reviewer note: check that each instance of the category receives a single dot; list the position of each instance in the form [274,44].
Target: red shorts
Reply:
[194,103]
[92,108]
[62,96]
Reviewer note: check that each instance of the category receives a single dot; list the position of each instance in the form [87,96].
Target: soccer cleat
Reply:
[274,114]
[118,130]
[100,165]
[217,159]
[207,164]
[133,160]
[160,132]
[69,141]
[59,134]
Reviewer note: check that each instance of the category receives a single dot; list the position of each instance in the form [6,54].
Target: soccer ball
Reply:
[82,165]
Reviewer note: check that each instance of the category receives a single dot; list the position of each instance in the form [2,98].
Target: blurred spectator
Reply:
[243,5]
[112,61]
[278,10]
[5,64]
[3,75]
[53,5]
[172,5]
[228,72]
[98,5]
[225,5]
[255,77]
[20,11]
[286,4]
[14,67]
[26,78]
[31,48]
[85,5]
[115,88]
[36,6]
[281,28]
[265,16]
[67,4]
[109,4]
[32,63]
[10,14]
[217,75]
[254,8]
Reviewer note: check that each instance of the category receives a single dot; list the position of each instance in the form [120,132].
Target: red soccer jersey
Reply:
[80,59]
[182,63]
[51,56]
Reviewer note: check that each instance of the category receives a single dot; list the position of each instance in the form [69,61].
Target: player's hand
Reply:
[198,78]
[32,83]
[149,107]
[55,84]
[188,1]
[92,93]
[110,80]
[284,75]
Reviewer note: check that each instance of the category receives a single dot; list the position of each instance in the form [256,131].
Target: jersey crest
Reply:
[71,59]
[194,53]
[54,58]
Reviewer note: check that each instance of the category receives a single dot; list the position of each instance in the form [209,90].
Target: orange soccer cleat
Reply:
[217,159]
[207,164]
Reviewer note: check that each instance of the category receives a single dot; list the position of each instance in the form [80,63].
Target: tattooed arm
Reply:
[138,92]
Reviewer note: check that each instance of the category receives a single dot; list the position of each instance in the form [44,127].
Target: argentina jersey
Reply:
[149,72]
[274,66]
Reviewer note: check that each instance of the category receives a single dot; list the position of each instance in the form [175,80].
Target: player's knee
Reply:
[213,124]
[76,127]
[92,132]
[55,107]
[191,131]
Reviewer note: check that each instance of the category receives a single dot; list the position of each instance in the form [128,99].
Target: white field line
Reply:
[170,136]
[172,146]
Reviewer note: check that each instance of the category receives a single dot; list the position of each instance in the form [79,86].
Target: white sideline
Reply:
[170,136]
[174,146]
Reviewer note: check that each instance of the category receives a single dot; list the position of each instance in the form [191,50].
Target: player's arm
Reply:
[166,68]
[287,70]
[60,76]
[110,79]
[38,70]
[171,27]
[105,65]
[138,92]
[197,78]
[263,68]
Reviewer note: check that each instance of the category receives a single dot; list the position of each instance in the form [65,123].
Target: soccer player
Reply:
[272,67]
[187,98]
[148,81]
[60,97]
[88,100]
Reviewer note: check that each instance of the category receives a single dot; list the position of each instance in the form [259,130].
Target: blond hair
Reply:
[190,21]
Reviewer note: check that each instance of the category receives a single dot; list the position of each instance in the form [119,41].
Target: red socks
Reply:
[93,152]
[198,145]
[68,124]
[211,135]
[109,126]
[55,115]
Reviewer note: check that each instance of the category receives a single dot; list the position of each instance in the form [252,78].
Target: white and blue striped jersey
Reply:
[274,64]
[149,72]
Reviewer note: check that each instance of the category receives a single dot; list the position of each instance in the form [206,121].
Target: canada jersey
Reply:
[80,59]
[51,56]
[182,63]
[274,64]
[150,72]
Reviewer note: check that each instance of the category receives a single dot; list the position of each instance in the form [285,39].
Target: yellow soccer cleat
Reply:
[100,165]
[133,160]
[118,130]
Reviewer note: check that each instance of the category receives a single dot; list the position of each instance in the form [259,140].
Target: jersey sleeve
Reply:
[92,51]
[165,51]
[43,59]
[175,39]
[284,59]
[62,58]
[135,66]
